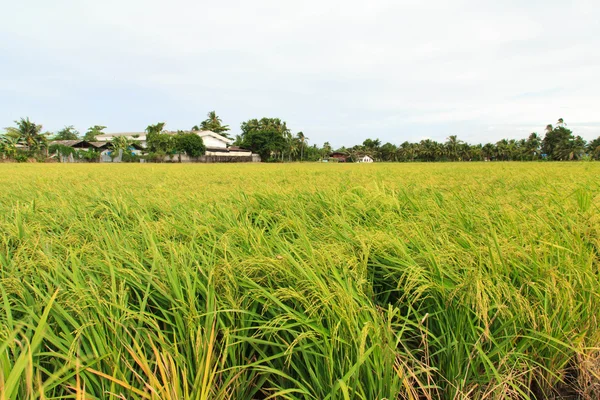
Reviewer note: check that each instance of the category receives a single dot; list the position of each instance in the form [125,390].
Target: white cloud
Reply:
[345,70]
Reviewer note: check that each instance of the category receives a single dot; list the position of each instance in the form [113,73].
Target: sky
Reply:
[339,71]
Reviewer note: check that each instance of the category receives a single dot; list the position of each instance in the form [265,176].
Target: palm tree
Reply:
[120,144]
[488,150]
[502,148]
[8,146]
[156,128]
[532,145]
[92,132]
[289,139]
[452,146]
[326,150]
[213,123]
[303,141]
[28,133]
[294,148]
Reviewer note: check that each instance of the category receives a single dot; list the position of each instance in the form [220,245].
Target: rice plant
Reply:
[411,281]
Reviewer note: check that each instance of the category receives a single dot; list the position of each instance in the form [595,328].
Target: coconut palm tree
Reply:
[326,150]
[303,142]
[488,150]
[532,145]
[29,134]
[156,128]
[121,144]
[8,146]
[213,123]
[294,148]
[452,147]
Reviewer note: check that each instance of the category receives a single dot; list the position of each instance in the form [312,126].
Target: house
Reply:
[340,157]
[214,140]
[79,145]
[104,148]
[139,137]
[75,144]
[210,139]
[365,159]
[218,147]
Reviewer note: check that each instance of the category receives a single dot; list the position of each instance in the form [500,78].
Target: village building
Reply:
[104,148]
[210,139]
[340,157]
[218,147]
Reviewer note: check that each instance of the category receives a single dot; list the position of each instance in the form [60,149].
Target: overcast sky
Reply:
[341,71]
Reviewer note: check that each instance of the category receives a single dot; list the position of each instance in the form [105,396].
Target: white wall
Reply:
[210,141]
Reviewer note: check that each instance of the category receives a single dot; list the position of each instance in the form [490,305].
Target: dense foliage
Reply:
[271,138]
[273,141]
[189,144]
[66,153]
[67,133]
[92,132]
[462,281]
[265,137]
[213,123]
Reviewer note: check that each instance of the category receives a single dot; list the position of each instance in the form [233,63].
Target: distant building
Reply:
[211,139]
[340,157]
[365,159]
[104,148]
[218,147]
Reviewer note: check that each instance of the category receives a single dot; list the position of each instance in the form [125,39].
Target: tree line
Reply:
[274,141]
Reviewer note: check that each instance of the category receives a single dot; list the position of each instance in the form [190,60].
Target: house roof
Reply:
[99,144]
[144,134]
[122,134]
[213,134]
[68,143]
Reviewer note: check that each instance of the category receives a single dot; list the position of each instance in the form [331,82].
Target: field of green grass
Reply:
[300,281]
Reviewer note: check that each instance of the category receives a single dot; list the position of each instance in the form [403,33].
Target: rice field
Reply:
[300,281]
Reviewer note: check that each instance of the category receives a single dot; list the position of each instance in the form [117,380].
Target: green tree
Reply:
[429,150]
[593,148]
[476,152]
[265,136]
[67,133]
[8,146]
[28,134]
[157,142]
[213,123]
[488,150]
[120,144]
[326,150]
[190,144]
[303,142]
[156,128]
[502,150]
[407,151]
[92,132]
[532,145]
[371,147]
[388,152]
[560,144]
[452,145]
